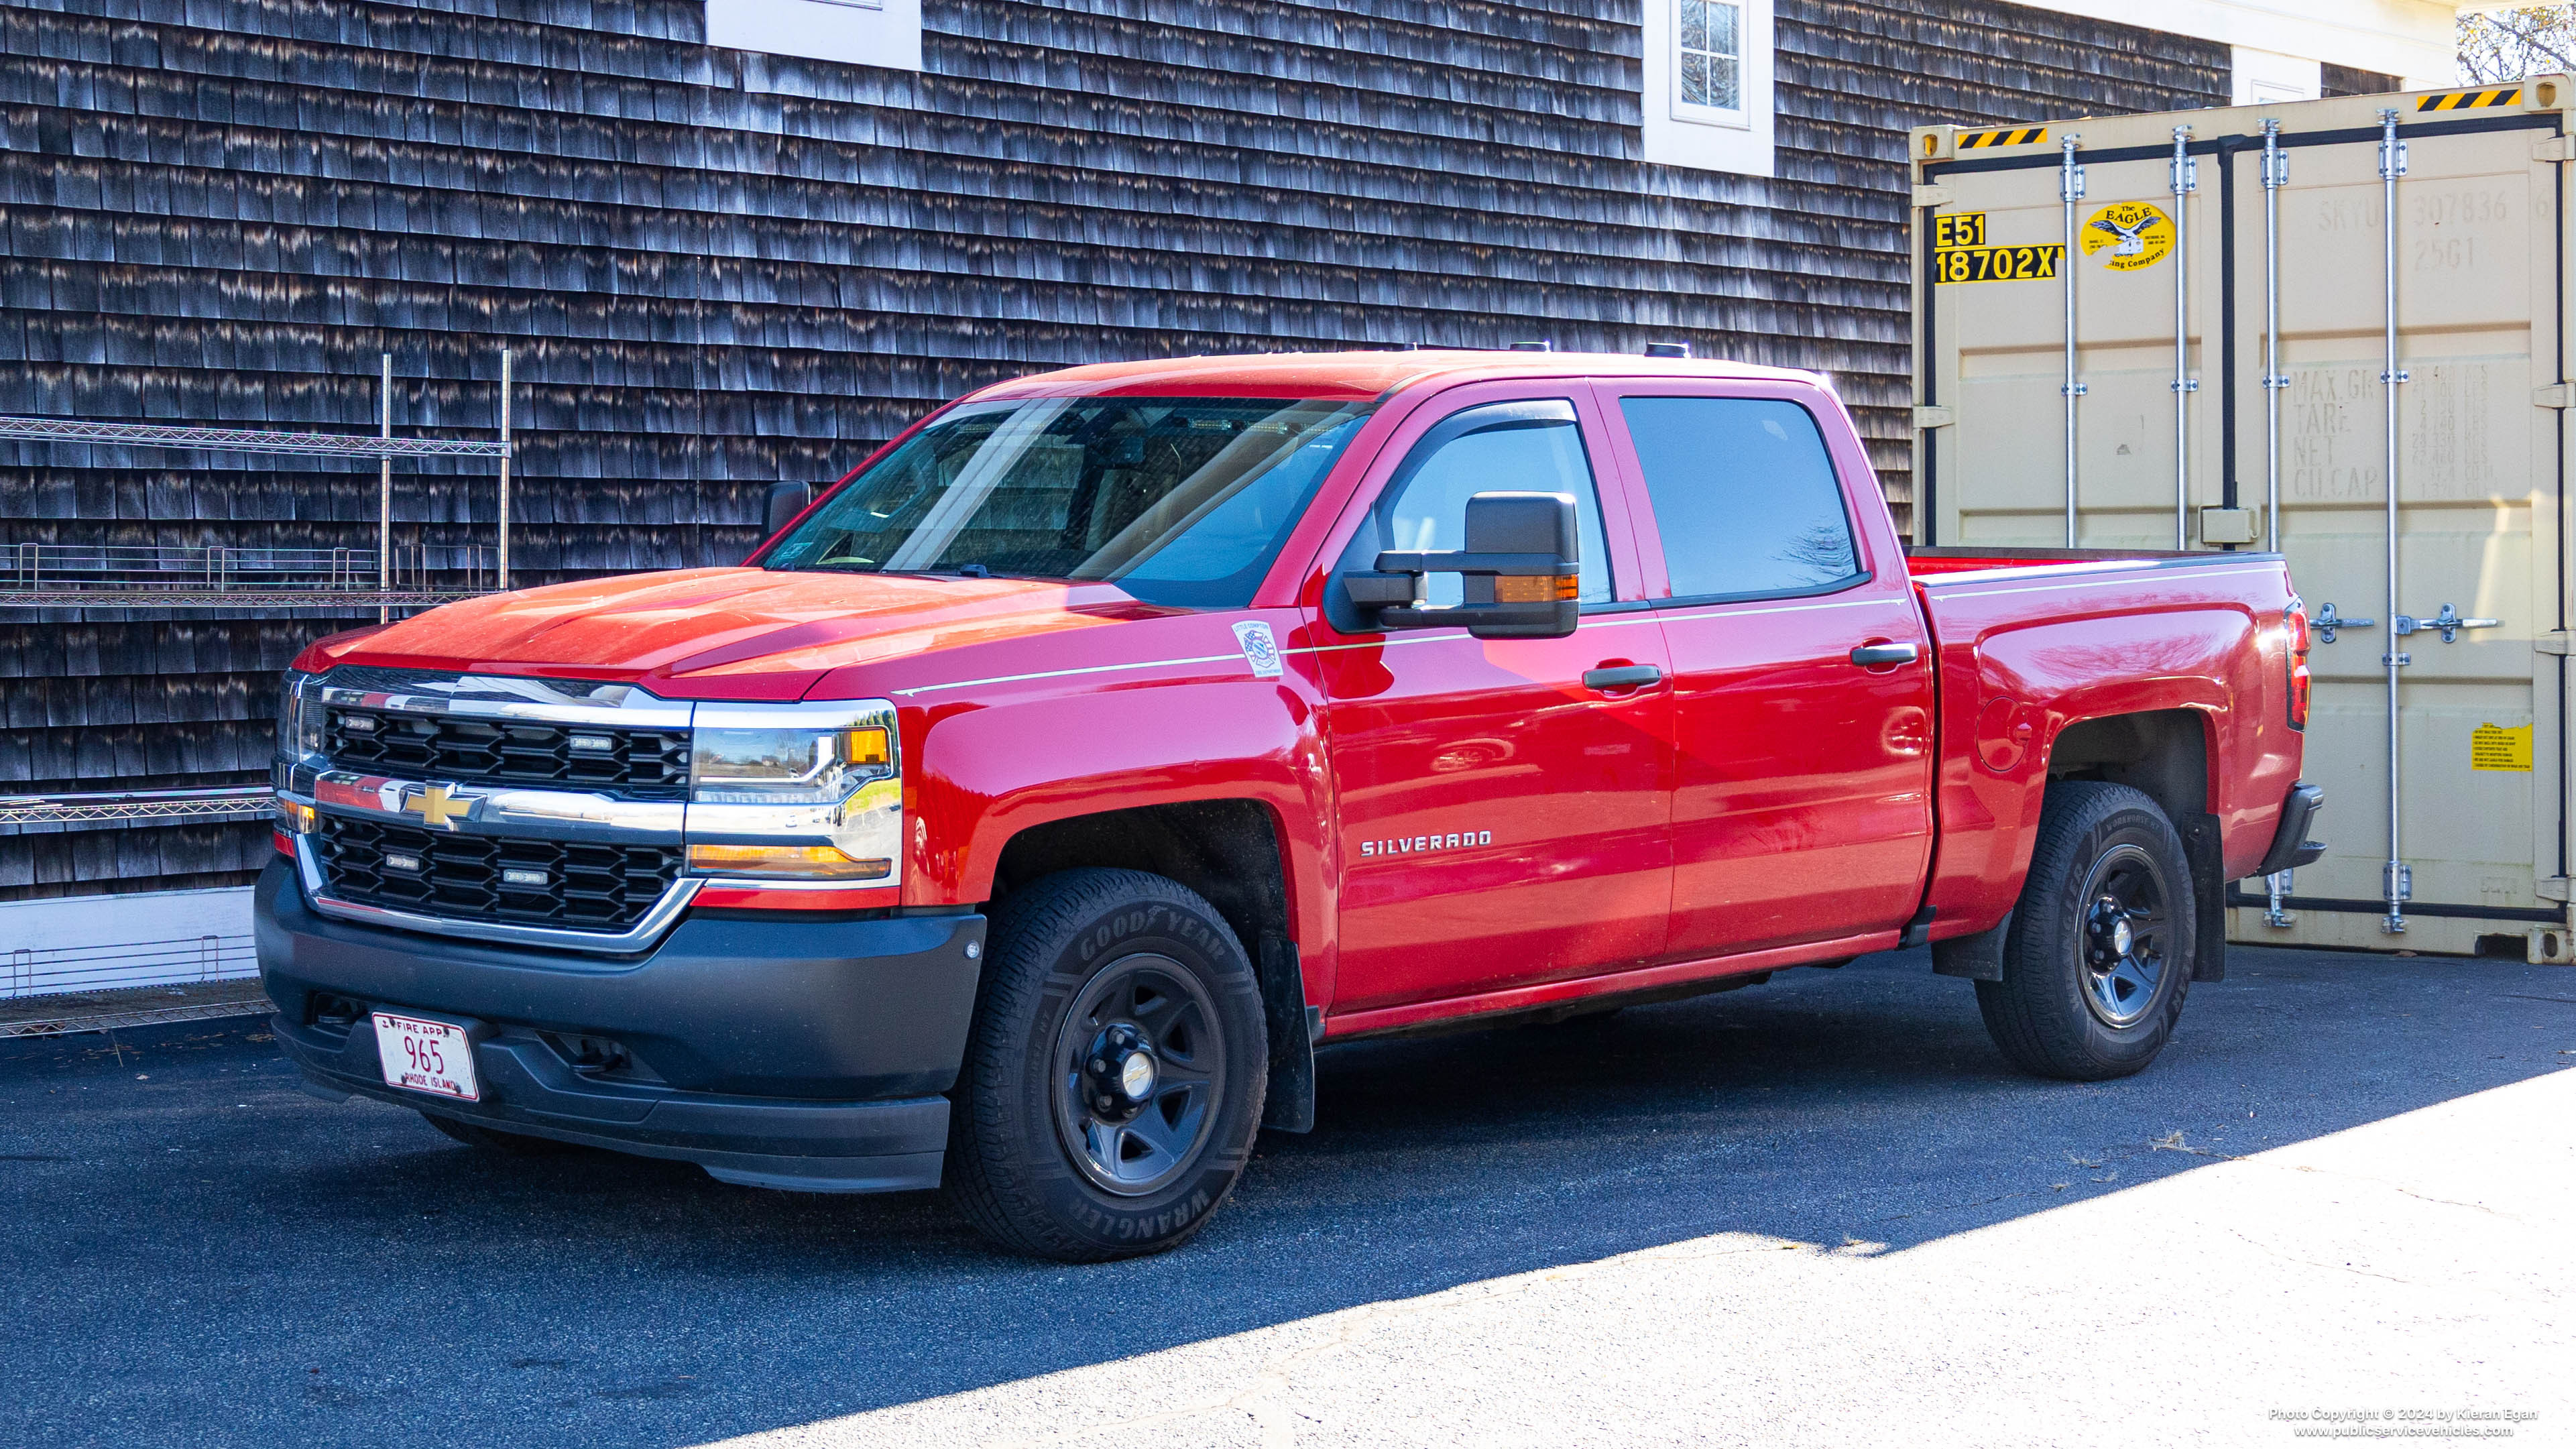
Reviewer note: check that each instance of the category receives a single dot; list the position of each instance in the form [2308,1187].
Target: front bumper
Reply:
[791,1053]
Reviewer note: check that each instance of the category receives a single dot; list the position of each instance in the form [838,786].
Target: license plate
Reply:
[426,1056]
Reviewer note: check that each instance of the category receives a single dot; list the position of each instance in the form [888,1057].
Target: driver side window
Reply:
[1513,447]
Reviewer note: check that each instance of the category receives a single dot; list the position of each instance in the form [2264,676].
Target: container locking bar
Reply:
[2070,190]
[2185,180]
[2276,174]
[2396,880]
[2328,621]
[2448,622]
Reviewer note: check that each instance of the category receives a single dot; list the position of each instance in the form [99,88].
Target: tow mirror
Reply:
[1520,573]
[786,500]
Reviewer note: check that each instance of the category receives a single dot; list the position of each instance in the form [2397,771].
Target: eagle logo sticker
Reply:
[2135,233]
[1259,649]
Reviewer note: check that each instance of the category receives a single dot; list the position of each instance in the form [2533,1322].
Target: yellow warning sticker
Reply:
[2137,235]
[2494,747]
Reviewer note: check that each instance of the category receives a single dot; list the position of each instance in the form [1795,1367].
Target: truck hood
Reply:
[736,632]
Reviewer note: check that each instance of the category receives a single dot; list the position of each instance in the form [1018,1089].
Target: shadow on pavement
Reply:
[206,1256]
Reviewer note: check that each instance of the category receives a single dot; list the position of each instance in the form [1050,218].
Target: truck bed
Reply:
[2032,643]
[1932,562]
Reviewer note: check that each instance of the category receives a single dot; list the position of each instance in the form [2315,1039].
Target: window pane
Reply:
[1695,24]
[1515,455]
[1694,78]
[1180,501]
[1721,84]
[1721,29]
[1744,495]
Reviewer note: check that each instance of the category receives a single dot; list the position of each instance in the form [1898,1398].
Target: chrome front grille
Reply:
[636,764]
[567,885]
[532,811]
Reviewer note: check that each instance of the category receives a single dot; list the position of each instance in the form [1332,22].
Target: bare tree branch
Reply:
[2506,45]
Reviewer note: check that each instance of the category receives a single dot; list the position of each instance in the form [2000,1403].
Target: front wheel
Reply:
[1113,1081]
[2100,949]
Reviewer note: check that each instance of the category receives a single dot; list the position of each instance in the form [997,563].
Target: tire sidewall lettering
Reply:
[1156,921]
[1160,928]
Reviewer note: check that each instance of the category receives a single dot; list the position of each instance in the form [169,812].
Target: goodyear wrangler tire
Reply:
[2099,954]
[1113,1080]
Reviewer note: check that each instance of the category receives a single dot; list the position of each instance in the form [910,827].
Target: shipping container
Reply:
[2333,328]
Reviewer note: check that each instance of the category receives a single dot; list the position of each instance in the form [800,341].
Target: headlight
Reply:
[796,793]
[299,718]
[786,766]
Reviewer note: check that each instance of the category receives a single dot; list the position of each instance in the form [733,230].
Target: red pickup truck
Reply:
[1024,813]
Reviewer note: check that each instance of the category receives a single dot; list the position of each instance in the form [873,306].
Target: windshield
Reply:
[1179,501]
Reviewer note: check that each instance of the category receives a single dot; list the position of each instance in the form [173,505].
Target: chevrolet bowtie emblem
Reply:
[435,806]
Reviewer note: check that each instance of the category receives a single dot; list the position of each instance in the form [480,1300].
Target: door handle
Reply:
[1873,655]
[1625,676]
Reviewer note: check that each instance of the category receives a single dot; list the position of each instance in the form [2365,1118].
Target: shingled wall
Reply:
[720,269]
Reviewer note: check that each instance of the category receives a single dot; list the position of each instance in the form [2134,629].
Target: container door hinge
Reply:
[2554,888]
[2553,642]
[2554,148]
[1932,196]
[1933,415]
[2556,395]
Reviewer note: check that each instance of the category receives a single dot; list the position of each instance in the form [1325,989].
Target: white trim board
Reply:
[2414,40]
[884,33]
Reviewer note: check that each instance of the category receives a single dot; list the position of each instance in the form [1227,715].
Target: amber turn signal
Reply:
[869,747]
[786,862]
[297,817]
[1535,588]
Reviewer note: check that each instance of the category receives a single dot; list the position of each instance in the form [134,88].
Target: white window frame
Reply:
[1706,138]
[2267,78]
[885,33]
[1738,115]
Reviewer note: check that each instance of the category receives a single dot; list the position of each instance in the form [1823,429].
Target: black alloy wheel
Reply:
[2125,929]
[2099,953]
[1114,1075]
[1138,1060]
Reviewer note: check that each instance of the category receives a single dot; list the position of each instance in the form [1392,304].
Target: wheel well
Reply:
[1226,850]
[2163,753]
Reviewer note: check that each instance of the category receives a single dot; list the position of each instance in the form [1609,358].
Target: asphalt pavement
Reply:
[1820,1210]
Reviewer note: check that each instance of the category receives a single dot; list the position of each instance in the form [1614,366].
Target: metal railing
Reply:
[115,807]
[42,971]
[57,575]
[244,440]
[257,578]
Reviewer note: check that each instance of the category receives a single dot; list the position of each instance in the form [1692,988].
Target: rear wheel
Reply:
[474,1134]
[2099,955]
[1113,1082]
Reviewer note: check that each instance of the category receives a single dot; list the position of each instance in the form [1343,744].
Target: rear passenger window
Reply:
[1744,495]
